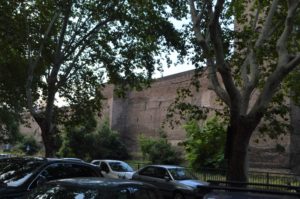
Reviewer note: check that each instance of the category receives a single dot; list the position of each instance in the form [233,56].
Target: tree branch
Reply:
[285,64]
[281,45]
[85,37]
[203,42]
[33,64]
[223,66]
[267,26]
[58,54]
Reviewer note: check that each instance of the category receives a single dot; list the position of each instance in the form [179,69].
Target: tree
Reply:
[247,63]
[12,71]
[70,43]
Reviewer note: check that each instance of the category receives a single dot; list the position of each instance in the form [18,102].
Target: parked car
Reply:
[114,168]
[18,175]
[248,195]
[95,188]
[173,181]
[240,190]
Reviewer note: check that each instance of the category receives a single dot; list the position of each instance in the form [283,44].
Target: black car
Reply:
[239,190]
[18,175]
[95,188]
[173,181]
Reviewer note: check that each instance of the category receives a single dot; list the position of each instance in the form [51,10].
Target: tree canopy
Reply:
[66,46]
[248,50]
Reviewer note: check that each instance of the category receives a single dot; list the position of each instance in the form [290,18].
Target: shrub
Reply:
[28,145]
[102,144]
[159,151]
[205,145]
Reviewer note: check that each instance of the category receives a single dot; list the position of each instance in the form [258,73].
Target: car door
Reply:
[141,192]
[106,171]
[156,176]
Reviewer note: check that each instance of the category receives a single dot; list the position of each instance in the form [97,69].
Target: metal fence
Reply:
[269,178]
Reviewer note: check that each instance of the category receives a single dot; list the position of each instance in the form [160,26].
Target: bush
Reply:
[205,146]
[159,151]
[103,144]
[28,145]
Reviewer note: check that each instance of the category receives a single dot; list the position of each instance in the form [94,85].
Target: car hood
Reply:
[11,192]
[192,183]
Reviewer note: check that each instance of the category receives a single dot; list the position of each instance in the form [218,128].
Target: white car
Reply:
[114,168]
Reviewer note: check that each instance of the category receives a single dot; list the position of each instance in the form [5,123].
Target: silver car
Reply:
[173,181]
[114,169]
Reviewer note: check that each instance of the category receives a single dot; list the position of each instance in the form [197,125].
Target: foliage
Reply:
[247,48]
[12,71]
[159,151]
[102,144]
[205,145]
[9,126]
[62,48]
[28,145]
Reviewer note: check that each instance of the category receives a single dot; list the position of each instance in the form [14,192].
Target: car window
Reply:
[64,170]
[120,167]
[14,172]
[181,174]
[148,171]
[74,170]
[104,167]
[160,172]
[96,163]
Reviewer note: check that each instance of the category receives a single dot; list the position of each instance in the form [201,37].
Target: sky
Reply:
[173,70]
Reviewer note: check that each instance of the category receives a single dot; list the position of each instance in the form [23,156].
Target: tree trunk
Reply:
[238,134]
[48,135]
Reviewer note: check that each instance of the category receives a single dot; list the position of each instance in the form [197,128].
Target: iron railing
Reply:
[269,178]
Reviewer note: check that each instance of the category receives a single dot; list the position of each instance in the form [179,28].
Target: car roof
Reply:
[96,182]
[40,159]
[107,160]
[166,166]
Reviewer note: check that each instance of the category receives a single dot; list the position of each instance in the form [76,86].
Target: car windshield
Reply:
[120,167]
[15,171]
[181,174]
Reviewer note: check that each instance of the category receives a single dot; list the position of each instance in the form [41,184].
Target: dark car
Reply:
[239,190]
[248,195]
[173,181]
[18,175]
[95,188]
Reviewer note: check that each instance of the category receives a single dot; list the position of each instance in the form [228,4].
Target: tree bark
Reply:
[48,136]
[239,133]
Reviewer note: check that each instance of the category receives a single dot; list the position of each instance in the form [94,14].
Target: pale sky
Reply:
[173,70]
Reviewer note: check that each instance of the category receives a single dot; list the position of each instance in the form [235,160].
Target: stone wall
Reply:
[143,113]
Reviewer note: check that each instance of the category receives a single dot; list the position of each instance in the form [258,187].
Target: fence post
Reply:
[268,178]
